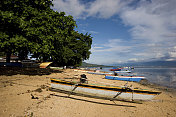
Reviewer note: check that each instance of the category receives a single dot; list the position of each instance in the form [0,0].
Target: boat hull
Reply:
[118,69]
[103,91]
[99,73]
[123,71]
[125,78]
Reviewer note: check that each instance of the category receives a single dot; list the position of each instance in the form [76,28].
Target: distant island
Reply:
[84,64]
[150,64]
[135,64]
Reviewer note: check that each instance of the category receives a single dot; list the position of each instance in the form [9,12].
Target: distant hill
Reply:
[136,64]
[152,64]
[84,64]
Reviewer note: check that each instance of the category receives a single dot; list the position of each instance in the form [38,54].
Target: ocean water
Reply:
[161,76]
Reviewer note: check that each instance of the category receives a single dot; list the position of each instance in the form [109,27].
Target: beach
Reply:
[27,92]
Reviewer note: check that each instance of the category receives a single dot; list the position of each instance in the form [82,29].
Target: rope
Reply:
[132,95]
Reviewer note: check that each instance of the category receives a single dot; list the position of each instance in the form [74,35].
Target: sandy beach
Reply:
[26,93]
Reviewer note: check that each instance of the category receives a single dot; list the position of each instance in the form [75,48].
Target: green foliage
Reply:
[31,26]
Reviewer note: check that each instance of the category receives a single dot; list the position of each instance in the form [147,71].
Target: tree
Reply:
[80,46]
[52,35]
[31,26]
[15,15]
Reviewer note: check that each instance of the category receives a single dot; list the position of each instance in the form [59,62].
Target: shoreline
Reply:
[26,93]
[163,84]
[159,87]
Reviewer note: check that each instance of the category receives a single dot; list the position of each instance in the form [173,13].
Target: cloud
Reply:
[172,53]
[146,23]
[97,47]
[71,7]
[94,8]
[113,45]
[93,32]
[105,8]
[152,27]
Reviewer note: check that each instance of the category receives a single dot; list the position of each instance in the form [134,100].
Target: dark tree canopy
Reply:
[32,27]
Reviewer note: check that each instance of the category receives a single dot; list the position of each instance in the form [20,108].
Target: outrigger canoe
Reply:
[113,92]
[125,78]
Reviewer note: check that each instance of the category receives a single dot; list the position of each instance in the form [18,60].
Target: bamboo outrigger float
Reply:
[113,92]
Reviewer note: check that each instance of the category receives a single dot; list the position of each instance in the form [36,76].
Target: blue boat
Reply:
[125,78]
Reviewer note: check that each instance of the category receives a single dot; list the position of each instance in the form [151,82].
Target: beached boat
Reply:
[126,71]
[56,68]
[85,71]
[115,69]
[125,78]
[44,64]
[113,92]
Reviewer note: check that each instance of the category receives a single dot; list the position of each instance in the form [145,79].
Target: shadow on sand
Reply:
[9,71]
[92,96]
[91,101]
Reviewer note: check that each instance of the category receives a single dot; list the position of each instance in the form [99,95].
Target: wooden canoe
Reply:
[103,90]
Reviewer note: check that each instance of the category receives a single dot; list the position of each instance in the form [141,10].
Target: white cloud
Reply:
[71,7]
[113,45]
[96,8]
[97,47]
[146,24]
[105,8]
[93,32]
[134,59]
[152,27]
[172,53]
[170,59]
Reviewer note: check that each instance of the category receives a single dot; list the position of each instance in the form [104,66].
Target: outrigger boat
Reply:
[112,92]
[125,78]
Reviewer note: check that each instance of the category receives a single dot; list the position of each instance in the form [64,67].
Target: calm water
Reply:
[161,76]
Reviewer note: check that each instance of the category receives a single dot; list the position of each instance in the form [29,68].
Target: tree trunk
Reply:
[8,56]
[44,58]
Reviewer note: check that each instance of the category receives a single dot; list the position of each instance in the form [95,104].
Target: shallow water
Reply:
[161,76]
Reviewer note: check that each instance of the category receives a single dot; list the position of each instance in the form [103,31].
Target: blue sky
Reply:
[125,30]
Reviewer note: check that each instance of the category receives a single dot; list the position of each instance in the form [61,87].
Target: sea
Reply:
[161,76]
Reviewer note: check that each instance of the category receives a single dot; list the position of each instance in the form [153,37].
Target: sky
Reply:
[125,30]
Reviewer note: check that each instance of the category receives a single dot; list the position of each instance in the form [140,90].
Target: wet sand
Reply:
[26,93]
